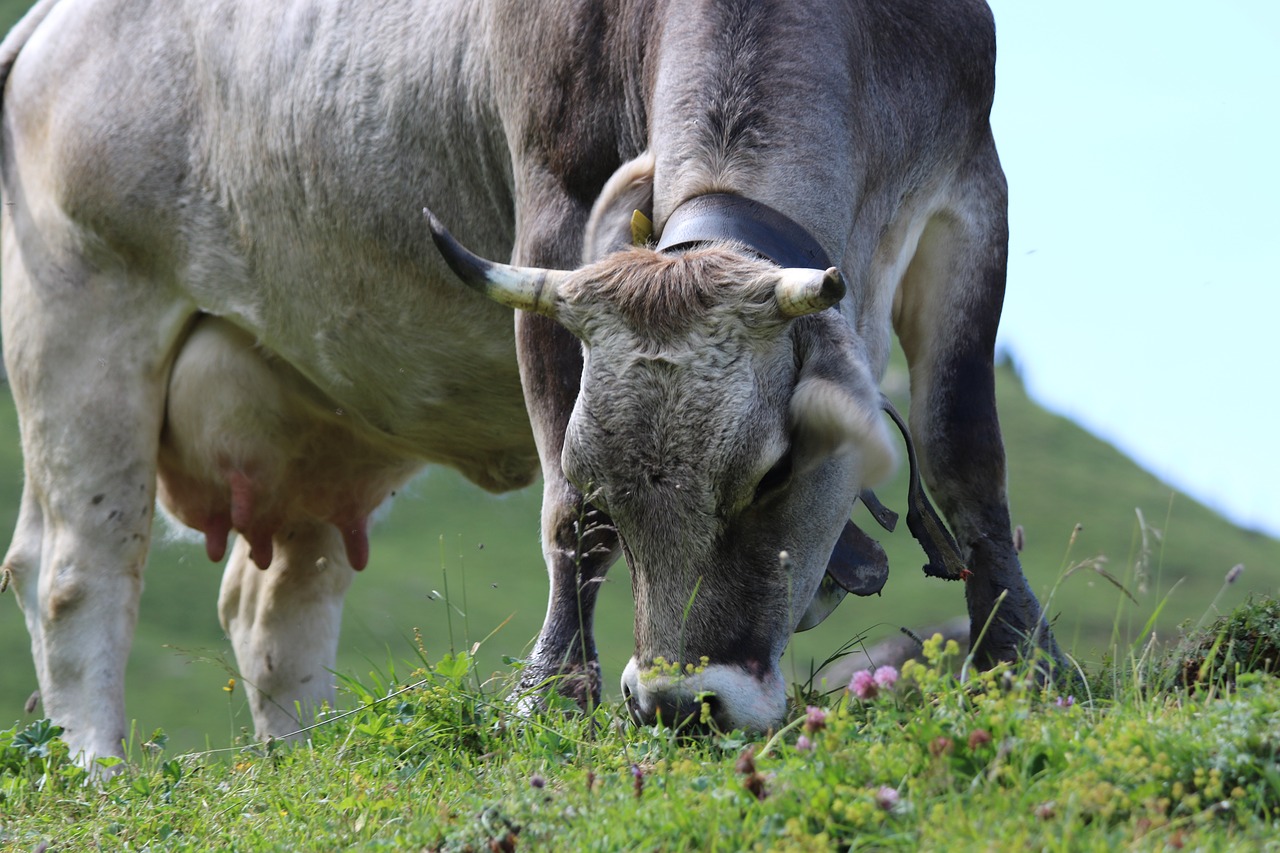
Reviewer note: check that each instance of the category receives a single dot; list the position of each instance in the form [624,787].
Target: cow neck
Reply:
[724,216]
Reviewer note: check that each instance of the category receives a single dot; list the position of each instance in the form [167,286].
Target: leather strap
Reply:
[923,521]
[724,216]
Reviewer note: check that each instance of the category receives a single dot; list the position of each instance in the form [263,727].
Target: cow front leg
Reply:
[283,622]
[579,542]
[946,318]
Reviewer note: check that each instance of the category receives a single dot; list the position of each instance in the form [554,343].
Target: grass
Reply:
[436,761]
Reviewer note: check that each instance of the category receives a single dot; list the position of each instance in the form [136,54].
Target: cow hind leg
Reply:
[22,568]
[284,621]
[87,354]
[946,318]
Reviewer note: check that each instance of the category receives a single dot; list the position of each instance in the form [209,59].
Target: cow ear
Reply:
[829,418]
[858,562]
[858,565]
[628,192]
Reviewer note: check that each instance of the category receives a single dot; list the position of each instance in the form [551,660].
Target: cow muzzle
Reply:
[721,696]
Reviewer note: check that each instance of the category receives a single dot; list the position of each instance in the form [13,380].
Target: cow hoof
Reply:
[579,683]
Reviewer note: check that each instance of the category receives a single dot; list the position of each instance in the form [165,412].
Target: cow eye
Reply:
[775,479]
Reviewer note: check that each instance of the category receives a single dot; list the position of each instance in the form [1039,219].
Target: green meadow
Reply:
[424,752]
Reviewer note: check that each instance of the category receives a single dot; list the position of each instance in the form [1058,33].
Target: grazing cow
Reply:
[218,291]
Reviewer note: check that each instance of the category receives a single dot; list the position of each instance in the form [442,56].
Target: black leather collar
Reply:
[723,216]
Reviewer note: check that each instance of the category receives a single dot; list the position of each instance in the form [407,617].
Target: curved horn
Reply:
[525,288]
[801,291]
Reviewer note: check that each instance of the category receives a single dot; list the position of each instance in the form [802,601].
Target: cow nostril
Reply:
[690,715]
[712,714]
[701,715]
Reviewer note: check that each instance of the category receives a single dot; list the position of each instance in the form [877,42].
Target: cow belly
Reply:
[242,449]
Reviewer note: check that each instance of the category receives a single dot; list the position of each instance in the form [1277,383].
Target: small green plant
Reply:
[1245,640]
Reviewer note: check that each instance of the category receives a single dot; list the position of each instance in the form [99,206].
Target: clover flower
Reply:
[885,677]
[863,685]
[815,719]
[866,685]
[886,797]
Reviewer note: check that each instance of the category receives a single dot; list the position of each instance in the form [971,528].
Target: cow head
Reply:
[723,419]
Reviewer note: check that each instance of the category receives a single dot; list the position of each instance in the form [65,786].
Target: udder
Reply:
[246,446]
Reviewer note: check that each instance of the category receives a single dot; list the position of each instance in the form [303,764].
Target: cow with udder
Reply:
[218,292]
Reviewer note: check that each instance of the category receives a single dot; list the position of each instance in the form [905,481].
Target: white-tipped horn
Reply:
[801,291]
[525,288]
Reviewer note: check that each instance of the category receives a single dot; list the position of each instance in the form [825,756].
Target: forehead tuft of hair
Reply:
[662,294]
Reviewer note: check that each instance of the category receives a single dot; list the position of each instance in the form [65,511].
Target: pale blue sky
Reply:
[1142,144]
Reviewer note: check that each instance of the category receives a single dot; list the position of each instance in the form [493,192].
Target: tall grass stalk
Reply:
[448,606]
